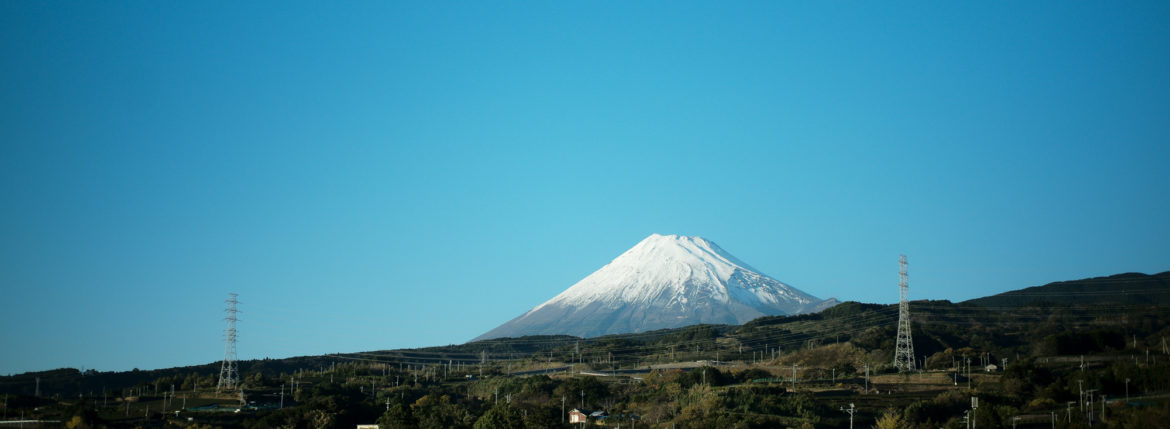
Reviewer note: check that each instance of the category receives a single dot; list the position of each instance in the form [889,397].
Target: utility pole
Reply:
[793,377]
[1089,394]
[867,379]
[1127,389]
[974,407]
[904,351]
[563,418]
[1081,394]
[850,410]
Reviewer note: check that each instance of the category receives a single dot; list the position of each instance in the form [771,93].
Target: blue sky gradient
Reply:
[391,174]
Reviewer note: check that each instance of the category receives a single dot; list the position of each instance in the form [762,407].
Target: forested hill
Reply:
[1128,288]
[869,326]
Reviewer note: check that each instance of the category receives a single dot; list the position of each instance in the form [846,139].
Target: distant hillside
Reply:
[1128,288]
[71,381]
[1018,321]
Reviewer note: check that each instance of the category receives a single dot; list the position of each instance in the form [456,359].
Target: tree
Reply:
[499,417]
[319,419]
[76,423]
[890,419]
[595,390]
[437,411]
[399,417]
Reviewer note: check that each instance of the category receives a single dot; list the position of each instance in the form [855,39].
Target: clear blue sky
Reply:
[397,174]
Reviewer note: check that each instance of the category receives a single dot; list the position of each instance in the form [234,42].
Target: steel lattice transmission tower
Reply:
[229,374]
[904,353]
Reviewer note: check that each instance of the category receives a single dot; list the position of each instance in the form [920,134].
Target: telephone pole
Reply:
[974,406]
[867,379]
[850,410]
[904,351]
[1081,394]
[229,375]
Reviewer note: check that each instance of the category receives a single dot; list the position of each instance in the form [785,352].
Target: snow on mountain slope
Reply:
[664,281]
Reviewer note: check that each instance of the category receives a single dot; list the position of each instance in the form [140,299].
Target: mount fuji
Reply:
[665,281]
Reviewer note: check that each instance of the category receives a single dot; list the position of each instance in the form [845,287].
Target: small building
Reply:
[599,417]
[991,368]
[578,416]
[367,427]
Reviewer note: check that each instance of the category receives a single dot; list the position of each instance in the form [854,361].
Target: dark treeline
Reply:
[1027,361]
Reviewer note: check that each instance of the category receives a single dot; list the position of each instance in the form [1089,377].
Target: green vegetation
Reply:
[1027,363]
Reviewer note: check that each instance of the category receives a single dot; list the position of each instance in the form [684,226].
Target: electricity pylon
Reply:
[229,374]
[904,352]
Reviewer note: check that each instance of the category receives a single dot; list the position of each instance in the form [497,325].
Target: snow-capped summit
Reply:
[665,281]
